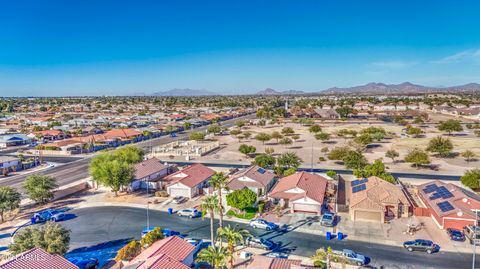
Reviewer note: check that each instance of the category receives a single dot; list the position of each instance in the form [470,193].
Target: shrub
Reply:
[322,159]
[161,193]
[331,173]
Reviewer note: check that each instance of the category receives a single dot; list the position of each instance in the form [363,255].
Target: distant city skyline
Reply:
[64,48]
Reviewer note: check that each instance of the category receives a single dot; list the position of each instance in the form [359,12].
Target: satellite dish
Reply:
[464,200]
[459,213]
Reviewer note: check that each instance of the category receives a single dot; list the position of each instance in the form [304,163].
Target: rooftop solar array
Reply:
[445,206]
[261,170]
[358,188]
[359,181]
[438,192]
[430,188]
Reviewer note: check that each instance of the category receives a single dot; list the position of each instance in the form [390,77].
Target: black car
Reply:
[420,245]
[456,235]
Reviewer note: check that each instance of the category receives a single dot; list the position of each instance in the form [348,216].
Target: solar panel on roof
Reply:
[355,183]
[445,206]
[358,188]
[435,196]
[430,188]
[261,170]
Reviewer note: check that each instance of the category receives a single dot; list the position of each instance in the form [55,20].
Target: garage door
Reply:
[179,192]
[306,208]
[368,216]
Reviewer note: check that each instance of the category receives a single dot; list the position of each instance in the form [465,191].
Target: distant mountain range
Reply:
[185,92]
[403,88]
[269,91]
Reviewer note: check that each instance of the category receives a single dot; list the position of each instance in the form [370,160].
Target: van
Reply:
[472,233]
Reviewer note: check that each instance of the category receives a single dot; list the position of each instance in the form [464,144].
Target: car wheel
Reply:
[54,219]
[268,228]
[254,227]
[429,251]
[359,263]
[410,249]
[190,216]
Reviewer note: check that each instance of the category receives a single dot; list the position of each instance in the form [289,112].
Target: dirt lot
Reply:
[308,148]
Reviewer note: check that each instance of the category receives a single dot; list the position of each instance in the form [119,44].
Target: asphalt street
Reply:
[93,227]
[77,170]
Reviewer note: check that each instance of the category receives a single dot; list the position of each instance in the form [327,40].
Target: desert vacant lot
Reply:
[308,148]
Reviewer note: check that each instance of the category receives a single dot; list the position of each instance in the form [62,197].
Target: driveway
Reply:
[97,227]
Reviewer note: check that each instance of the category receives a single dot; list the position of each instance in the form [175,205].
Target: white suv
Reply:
[189,212]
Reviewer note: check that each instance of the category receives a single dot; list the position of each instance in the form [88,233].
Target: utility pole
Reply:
[474,239]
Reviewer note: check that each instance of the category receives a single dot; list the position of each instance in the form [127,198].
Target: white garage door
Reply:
[179,192]
[368,216]
[306,208]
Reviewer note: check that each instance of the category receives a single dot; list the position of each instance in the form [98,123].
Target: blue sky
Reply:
[89,47]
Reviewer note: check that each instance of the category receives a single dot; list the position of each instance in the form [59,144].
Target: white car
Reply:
[263,224]
[189,212]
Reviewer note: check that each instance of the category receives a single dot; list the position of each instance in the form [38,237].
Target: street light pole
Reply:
[474,239]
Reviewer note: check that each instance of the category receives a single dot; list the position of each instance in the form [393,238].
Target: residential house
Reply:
[449,205]
[67,146]
[127,135]
[8,164]
[255,178]
[48,135]
[301,192]
[39,259]
[327,113]
[264,262]
[171,252]
[189,181]
[374,199]
[149,173]
[12,140]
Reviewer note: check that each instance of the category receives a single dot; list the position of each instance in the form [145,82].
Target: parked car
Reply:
[472,233]
[189,212]
[328,220]
[258,242]
[49,214]
[263,224]
[179,199]
[420,245]
[169,232]
[455,235]
[353,257]
[194,241]
[84,263]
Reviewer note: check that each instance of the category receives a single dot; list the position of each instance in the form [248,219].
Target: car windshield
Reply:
[328,217]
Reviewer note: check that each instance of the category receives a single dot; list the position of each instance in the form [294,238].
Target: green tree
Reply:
[288,160]
[209,206]
[9,200]
[247,135]
[216,129]
[171,129]
[40,188]
[111,171]
[187,125]
[51,237]
[322,136]
[364,139]
[354,160]
[240,123]
[414,131]
[471,179]
[376,169]
[216,257]
[290,171]
[197,136]
[151,237]
[129,251]
[219,182]
[263,137]
[286,141]
[344,111]
[129,154]
[468,155]
[315,129]
[392,154]
[417,157]
[235,132]
[331,173]
[440,145]
[246,149]
[269,151]
[450,126]
[276,135]
[241,199]
[233,237]
[287,131]
[264,160]
[338,153]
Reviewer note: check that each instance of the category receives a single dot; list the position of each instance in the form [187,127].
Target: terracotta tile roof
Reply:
[377,194]
[193,175]
[161,261]
[462,201]
[92,138]
[173,247]
[264,262]
[63,143]
[122,133]
[49,132]
[37,258]
[312,186]
[261,176]
[148,167]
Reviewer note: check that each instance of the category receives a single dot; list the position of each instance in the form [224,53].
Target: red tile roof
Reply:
[122,133]
[261,176]
[161,261]
[194,175]
[173,247]
[313,187]
[38,258]
[49,132]
[263,262]
[148,167]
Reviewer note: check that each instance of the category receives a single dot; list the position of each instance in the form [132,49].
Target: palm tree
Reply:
[216,257]
[210,205]
[232,236]
[218,182]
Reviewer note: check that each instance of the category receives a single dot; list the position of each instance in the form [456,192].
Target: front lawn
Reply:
[249,213]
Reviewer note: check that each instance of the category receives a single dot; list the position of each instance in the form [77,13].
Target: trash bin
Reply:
[340,236]
[170,211]
[33,220]
[328,235]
